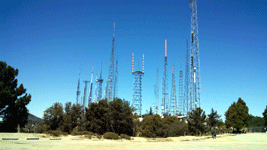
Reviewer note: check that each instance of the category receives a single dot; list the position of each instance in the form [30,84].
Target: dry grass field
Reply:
[253,141]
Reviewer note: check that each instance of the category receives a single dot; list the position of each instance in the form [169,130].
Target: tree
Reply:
[196,121]
[53,117]
[150,112]
[153,126]
[213,118]
[237,115]
[265,116]
[13,99]
[67,120]
[256,121]
[122,117]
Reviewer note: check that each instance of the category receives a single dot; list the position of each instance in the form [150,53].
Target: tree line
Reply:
[116,116]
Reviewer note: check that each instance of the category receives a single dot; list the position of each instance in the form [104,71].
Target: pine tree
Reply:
[196,122]
[237,115]
[213,118]
[12,100]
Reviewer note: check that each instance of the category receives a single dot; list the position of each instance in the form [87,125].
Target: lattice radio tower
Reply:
[186,85]
[173,95]
[181,91]
[194,75]
[165,98]
[84,95]
[110,82]
[156,92]
[78,88]
[90,89]
[99,87]
[137,86]
[116,80]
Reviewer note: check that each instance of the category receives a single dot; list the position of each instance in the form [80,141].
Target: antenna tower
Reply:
[173,95]
[84,95]
[78,88]
[194,76]
[157,93]
[99,87]
[116,80]
[90,90]
[110,81]
[186,86]
[181,92]
[165,84]
[137,86]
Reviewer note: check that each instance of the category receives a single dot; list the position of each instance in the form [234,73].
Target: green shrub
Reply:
[125,136]
[41,128]
[65,133]
[54,132]
[99,136]
[111,135]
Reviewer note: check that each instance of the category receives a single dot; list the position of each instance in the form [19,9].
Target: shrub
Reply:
[65,133]
[125,136]
[41,128]
[54,132]
[111,135]
[99,136]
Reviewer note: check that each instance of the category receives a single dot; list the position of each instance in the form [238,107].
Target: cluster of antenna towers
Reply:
[189,92]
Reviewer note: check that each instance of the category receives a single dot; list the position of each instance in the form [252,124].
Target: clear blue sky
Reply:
[48,41]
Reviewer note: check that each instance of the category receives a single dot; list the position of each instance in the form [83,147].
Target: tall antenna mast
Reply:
[78,88]
[195,61]
[111,70]
[91,87]
[165,99]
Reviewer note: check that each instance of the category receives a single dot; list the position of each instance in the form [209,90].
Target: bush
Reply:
[54,132]
[41,128]
[125,136]
[99,136]
[65,133]
[111,135]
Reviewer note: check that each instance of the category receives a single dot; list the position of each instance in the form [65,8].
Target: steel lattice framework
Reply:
[194,73]
[99,87]
[137,87]
[165,98]
[156,92]
[78,88]
[181,92]
[173,95]
[110,82]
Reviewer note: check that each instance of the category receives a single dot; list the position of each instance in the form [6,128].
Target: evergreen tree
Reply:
[265,116]
[213,118]
[67,118]
[53,117]
[237,115]
[196,122]
[12,100]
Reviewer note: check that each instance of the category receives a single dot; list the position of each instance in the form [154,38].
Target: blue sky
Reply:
[48,41]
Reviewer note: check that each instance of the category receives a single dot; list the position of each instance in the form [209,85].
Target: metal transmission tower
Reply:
[181,91]
[99,87]
[165,98]
[78,88]
[90,90]
[173,95]
[156,88]
[116,80]
[84,95]
[110,81]
[137,86]
[187,82]
[195,61]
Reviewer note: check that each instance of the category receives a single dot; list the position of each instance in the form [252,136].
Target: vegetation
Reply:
[256,121]
[237,115]
[213,119]
[54,133]
[111,135]
[125,136]
[265,116]
[13,100]
[196,122]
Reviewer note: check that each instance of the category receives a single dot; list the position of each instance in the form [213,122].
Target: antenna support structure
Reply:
[137,86]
